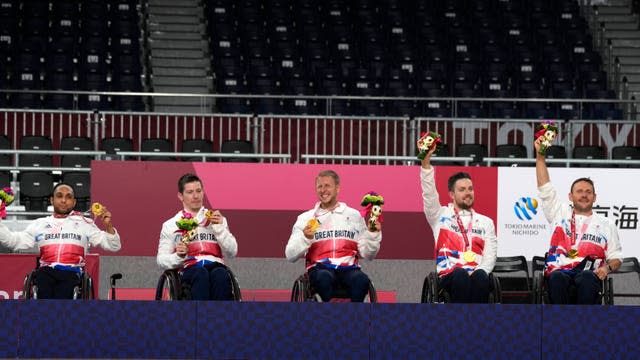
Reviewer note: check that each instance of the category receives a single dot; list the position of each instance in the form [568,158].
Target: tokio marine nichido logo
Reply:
[525,208]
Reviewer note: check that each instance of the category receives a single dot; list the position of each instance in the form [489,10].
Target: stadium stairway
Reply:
[621,28]
[178,54]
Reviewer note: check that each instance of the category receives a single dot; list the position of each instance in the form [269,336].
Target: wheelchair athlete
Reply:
[584,247]
[466,243]
[63,239]
[331,237]
[195,241]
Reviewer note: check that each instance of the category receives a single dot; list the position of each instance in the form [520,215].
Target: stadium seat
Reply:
[59,72]
[5,178]
[81,182]
[128,103]
[589,152]
[25,100]
[197,146]
[477,151]
[35,190]
[442,152]
[238,147]
[511,151]
[76,143]
[515,283]
[625,153]
[113,145]
[40,143]
[157,145]
[5,144]
[556,152]
[58,101]
[630,265]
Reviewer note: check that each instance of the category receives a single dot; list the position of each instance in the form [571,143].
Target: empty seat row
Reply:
[422,108]
[195,146]
[35,188]
[44,143]
[492,50]
[585,152]
[70,45]
[112,146]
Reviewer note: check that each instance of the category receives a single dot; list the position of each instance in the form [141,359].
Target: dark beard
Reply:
[463,206]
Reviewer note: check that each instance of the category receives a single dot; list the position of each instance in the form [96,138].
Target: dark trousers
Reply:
[586,282]
[209,282]
[465,288]
[56,284]
[324,282]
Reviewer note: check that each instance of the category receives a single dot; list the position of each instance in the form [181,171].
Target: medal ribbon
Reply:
[585,226]
[465,236]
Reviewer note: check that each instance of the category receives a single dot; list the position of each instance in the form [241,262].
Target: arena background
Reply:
[322,82]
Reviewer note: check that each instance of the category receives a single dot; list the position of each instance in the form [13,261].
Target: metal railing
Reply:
[16,158]
[326,100]
[566,162]
[388,160]
[283,158]
[125,155]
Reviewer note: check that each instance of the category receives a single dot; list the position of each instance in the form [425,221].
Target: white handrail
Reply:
[122,154]
[282,157]
[567,162]
[387,159]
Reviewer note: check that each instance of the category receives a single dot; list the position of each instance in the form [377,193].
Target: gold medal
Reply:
[469,256]
[314,224]
[97,209]
[573,253]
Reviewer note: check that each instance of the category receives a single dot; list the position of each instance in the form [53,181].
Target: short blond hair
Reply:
[331,173]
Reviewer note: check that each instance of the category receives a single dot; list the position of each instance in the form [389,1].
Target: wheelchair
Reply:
[432,293]
[171,287]
[303,291]
[84,291]
[541,295]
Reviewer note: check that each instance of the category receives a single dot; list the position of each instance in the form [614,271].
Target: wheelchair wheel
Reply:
[29,288]
[430,291]
[87,290]
[607,291]
[435,293]
[373,295]
[168,286]
[236,294]
[424,297]
[538,289]
[302,291]
[299,290]
[84,290]
[495,295]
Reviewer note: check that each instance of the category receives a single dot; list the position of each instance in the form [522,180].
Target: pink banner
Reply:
[261,201]
[292,187]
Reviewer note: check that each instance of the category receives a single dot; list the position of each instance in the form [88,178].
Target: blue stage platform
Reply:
[261,330]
